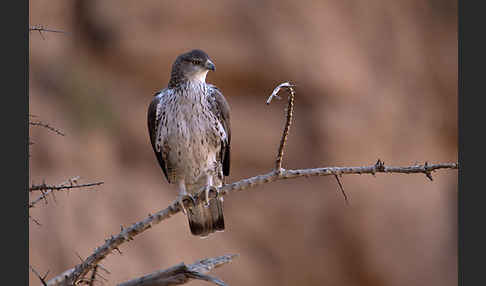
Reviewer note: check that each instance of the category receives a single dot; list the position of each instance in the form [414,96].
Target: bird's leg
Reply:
[182,195]
[207,189]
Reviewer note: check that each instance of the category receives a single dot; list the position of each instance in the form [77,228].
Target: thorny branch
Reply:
[42,124]
[42,29]
[181,274]
[127,234]
[48,189]
[45,125]
[43,187]
[41,278]
[70,276]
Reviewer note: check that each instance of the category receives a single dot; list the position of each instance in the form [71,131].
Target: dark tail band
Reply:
[206,220]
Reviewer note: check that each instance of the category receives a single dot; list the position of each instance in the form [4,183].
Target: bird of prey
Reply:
[189,127]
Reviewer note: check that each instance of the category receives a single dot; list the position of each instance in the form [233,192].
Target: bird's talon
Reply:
[183,208]
[181,202]
[193,199]
[218,194]
[206,193]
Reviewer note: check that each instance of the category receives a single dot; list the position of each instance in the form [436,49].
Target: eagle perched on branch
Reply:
[189,127]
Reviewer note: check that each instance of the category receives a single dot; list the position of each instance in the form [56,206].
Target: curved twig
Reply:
[290,110]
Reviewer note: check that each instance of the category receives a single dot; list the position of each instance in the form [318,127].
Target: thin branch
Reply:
[44,187]
[49,189]
[342,189]
[93,276]
[36,222]
[104,269]
[41,278]
[42,29]
[80,258]
[181,274]
[45,125]
[41,197]
[290,109]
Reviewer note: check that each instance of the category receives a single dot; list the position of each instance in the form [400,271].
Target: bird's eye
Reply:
[196,62]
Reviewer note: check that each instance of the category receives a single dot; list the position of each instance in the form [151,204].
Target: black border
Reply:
[460,105]
[15,86]
[26,110]
[471,193]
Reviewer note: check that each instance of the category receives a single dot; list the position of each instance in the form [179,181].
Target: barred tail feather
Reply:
[206,220]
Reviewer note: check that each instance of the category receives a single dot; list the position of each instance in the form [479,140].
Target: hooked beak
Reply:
[209,65]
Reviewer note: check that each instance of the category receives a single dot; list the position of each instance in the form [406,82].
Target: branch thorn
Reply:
[427,172]
[117,249]
[380,166]
[342,189]
[41,278]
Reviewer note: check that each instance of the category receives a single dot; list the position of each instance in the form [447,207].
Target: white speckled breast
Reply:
[190,132]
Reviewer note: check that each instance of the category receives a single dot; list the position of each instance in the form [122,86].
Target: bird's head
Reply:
[192,66]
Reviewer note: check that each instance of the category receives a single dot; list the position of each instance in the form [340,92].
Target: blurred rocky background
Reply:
[375,79]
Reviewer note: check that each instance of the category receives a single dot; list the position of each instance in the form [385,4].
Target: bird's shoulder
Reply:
[214,90]
[220,108]
[162,95]
[154,128]
[158,102]
[218,102]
